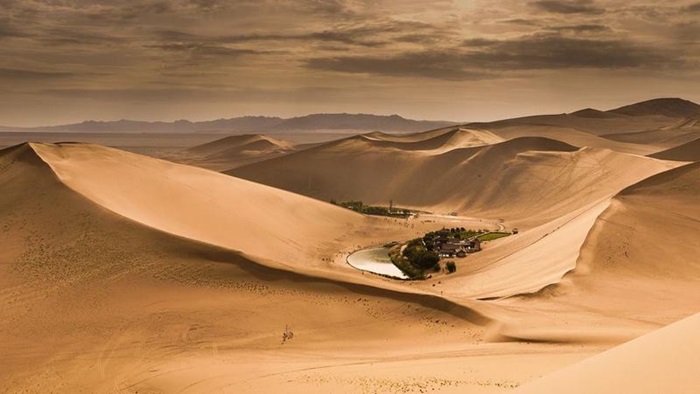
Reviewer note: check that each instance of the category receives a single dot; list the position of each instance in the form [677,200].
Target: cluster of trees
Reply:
[419,256]
[433,239]
[359,206]
[416,258]
[404,265]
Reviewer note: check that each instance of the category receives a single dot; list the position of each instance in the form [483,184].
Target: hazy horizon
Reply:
[272,116]
[69,61]
[455,121]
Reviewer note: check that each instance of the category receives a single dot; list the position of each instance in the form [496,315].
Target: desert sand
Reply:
[234,151]
[122,272]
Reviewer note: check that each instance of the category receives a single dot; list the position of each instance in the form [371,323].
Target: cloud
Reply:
[557,52]
[245,44]
[518,21]
[687,33]
[369,34]
[7,29]
[583,28]
[199,49]
[695,7]
[20,74]
[480,58]
[429,64]
[568,7]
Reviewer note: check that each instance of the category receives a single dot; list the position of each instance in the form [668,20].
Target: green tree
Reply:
[427,260]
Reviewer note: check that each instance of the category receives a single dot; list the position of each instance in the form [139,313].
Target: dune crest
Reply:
[528,177]
[689,151]
[659,213]
[233,151]
[647,239]
[196,203]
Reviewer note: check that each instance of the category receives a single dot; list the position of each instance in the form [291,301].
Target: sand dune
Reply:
[636,271]
[687,152]
[235,143]
[650,229]
[594,114]
[573,136]
[671,136]
[529,262]
[664,138]
[197,204]
[664,361]
[152,276]
[533,177]
[586,122]
[122,300]
[437,141]
[233,151]
[412,137]
[669,107]
[635,118]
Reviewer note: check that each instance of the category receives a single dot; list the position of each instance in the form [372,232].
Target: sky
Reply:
[65,61]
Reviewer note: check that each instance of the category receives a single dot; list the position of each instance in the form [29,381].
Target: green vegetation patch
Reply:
[492,236]
[359,206]
[404,264]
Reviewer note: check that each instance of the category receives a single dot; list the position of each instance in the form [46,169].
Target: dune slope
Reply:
[532,178]
[682,131]
[664,361]
[637,269]
[651,229]
[589,122]
[566,133]
[687,152]
[122,299]
[669,107]
[196,203]
[235,143]
[233,151]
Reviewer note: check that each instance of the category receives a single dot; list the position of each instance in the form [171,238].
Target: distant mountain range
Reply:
[666,107]
[254,124]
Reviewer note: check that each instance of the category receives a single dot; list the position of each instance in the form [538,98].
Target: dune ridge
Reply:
[527,177]
[647,238]
[257,142]
[662,210]
[669,107]
[233,151]
[66,163]
[196,203]
[689,151]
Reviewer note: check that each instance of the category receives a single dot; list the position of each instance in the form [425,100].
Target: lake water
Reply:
[375,260]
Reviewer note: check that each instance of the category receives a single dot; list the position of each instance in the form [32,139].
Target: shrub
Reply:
[451,267]
[404,265]
[427,260]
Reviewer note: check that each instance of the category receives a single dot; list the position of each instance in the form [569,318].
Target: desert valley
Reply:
[196,261]
[350,196]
